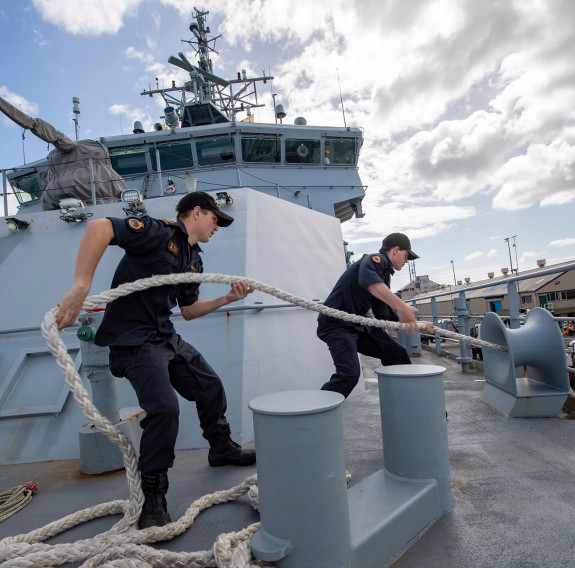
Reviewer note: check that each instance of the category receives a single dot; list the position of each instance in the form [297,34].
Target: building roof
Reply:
[496,287]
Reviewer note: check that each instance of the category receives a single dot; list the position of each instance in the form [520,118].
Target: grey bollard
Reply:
[301,476]
[414,425]
[411,342]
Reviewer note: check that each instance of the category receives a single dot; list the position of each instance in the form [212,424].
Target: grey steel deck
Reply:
[513,483]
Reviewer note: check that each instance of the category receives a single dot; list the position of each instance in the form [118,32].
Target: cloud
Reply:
[545,173]
[128,114]
[19,102]
[417,221]
[39,39]
[563,242]
[87,17]
[474,255]
[133,53]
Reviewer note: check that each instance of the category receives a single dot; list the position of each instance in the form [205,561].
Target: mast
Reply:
[204,86]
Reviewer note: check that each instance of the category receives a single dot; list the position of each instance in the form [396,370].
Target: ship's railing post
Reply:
[92,182]
[435,323]
[302,482]
[415,340]
[159,163]
[513,299]
[5,192]
[460,310]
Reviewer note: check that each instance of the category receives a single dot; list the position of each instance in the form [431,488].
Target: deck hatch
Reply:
[34,385]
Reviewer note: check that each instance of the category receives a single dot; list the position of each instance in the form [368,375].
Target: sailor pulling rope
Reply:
[123,545]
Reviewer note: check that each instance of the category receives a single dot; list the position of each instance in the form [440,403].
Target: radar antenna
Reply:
[205,87]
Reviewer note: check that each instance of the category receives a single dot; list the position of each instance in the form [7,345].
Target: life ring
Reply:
[169,189]
[302,150]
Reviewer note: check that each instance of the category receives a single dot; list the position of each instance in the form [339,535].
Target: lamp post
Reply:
[509,249]
[516,261]
[453,267]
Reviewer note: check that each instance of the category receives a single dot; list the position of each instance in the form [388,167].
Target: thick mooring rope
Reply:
[162,280]
[123,545]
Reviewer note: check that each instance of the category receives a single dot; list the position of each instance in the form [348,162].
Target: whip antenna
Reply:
[340,97]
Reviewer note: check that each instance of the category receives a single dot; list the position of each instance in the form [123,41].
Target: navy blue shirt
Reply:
[152,247]
[350,292]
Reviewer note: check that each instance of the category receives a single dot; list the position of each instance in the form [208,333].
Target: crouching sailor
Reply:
[144,346]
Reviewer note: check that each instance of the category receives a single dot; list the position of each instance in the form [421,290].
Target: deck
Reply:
[513,484]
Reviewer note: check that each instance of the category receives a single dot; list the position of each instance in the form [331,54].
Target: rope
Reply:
[123,545]
[162,280]
[17,498]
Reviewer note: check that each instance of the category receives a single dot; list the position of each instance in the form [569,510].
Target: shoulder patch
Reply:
[376,258]
[168,223]
[135,224]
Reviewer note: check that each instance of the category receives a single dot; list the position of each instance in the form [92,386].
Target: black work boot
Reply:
[224,451]
[155,510]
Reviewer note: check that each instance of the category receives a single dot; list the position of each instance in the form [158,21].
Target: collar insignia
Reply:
[173,248]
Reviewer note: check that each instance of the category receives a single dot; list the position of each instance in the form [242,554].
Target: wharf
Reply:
[513,484]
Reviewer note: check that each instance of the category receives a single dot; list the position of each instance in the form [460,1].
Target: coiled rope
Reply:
[123,545]
[17,498]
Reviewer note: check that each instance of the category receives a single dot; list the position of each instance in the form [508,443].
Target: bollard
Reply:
[411,342]
[414,425]
[301,476]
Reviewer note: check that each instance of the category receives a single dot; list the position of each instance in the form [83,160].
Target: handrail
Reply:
[458,295]
[487,284]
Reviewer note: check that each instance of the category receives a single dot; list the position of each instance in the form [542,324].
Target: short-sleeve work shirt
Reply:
[152,247]
[350,292]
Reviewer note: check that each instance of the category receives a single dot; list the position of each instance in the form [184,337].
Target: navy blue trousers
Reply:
[345,342]
[157,370]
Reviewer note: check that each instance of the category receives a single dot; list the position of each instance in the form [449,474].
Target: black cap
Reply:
[205,201]
[398,240]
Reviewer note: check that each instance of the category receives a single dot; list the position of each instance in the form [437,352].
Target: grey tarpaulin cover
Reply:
[68,174]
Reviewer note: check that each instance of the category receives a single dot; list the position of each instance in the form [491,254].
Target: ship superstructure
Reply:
[208,141]
[288,187]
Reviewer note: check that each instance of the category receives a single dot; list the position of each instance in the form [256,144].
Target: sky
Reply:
[467,106]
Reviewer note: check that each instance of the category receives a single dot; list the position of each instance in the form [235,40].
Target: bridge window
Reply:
[172,156]
[260,149]
[527,299]
[26,188]
[299,151]
[127,161]
[218,150]
[341,151]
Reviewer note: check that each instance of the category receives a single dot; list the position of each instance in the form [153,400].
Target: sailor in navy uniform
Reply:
[144,346]
[365,286]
